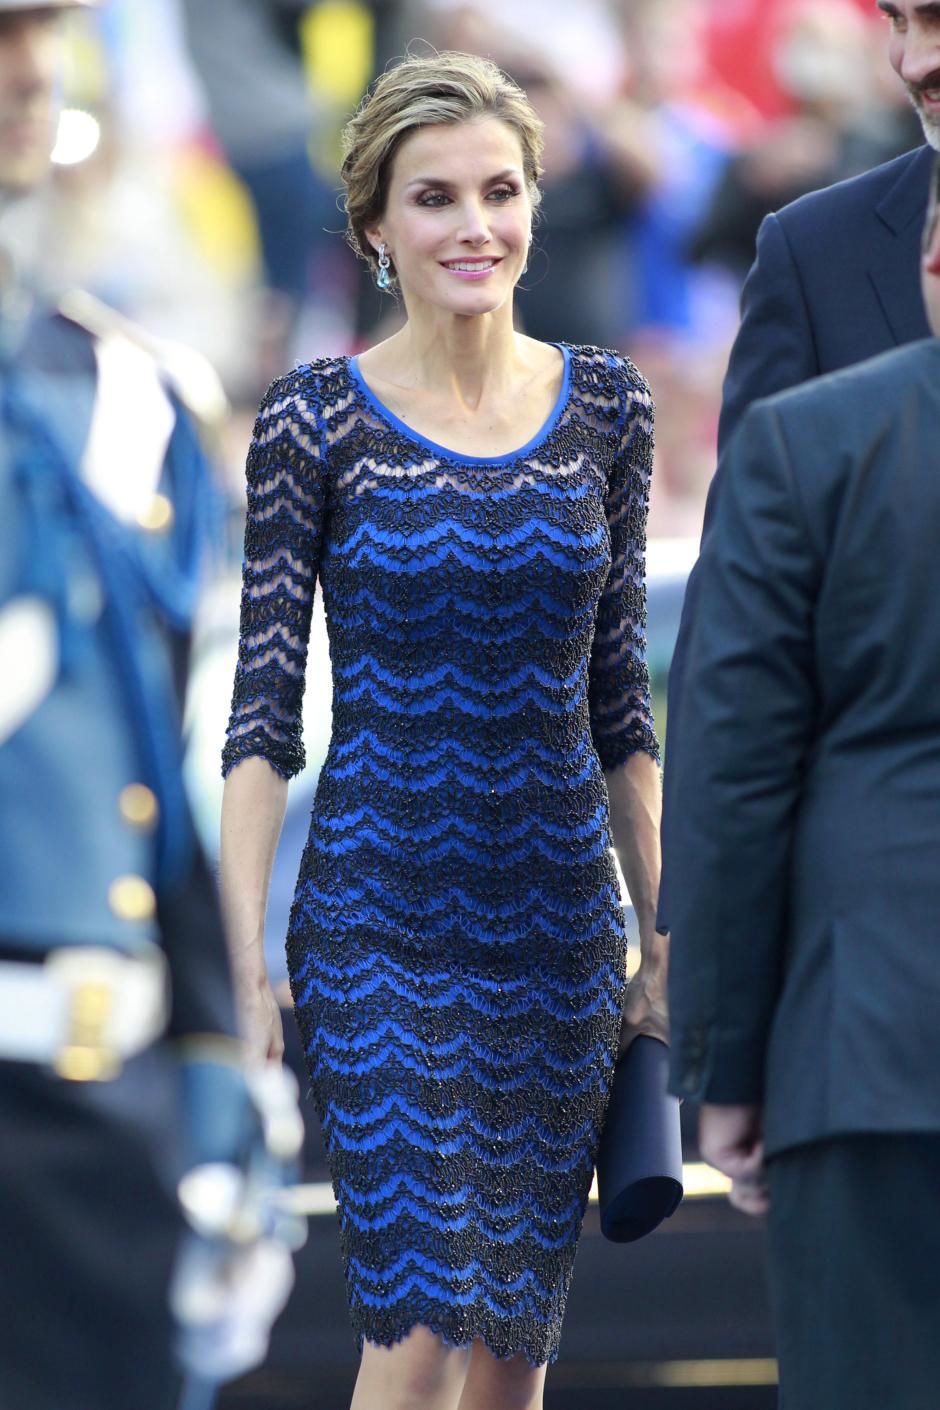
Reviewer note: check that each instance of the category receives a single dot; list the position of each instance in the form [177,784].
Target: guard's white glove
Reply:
[225,1301]
[235,1269]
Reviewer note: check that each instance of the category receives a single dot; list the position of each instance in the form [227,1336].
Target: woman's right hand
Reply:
[253,804]
[260,1018]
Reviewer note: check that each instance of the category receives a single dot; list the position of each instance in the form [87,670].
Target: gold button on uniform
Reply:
[138,806]
[157,517]
[132,898]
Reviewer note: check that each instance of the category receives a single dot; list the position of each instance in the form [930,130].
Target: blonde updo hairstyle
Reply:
[426,91]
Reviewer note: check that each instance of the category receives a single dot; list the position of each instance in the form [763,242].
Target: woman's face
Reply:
[458,217]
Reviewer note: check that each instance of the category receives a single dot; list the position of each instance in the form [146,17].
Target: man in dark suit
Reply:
[836,281]
[805,851]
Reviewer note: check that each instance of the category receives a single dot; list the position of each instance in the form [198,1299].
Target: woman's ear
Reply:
[374,237]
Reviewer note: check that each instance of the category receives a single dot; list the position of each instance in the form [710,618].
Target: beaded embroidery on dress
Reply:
[456,944]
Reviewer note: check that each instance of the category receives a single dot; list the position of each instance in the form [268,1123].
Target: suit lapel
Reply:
[896,274]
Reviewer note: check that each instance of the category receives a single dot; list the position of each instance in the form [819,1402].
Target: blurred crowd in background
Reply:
[197,175]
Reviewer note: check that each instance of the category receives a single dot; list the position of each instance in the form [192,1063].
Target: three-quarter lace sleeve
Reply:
[619,688]
[286,506]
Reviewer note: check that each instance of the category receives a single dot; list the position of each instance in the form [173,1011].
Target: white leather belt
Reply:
[83,1010]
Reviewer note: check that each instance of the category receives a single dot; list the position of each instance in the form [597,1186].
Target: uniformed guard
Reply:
[119,1062]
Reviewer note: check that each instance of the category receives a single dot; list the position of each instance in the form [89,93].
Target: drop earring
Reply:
[383,278]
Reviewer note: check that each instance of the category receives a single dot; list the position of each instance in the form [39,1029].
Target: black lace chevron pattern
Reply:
[456,944]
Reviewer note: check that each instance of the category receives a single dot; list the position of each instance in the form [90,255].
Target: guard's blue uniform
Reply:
[96,848]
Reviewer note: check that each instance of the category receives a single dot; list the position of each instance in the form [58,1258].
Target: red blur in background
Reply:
[742,35]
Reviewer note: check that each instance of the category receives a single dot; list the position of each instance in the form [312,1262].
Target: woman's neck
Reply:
[456,357]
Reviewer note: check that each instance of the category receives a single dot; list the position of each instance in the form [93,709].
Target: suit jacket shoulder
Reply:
[895,192]
[835,281]
[856,250]
[848,410]
[855,414]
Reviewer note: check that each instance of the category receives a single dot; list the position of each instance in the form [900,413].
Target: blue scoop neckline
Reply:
[541,434]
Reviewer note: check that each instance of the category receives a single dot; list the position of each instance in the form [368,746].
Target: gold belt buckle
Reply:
[85,1057]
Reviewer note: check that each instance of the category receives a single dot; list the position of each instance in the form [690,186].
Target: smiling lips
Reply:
[927,95]
[470,268]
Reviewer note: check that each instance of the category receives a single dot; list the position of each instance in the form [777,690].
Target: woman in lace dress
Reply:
[473,503]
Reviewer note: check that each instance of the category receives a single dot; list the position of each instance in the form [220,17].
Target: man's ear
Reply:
[930,247]
[932,251]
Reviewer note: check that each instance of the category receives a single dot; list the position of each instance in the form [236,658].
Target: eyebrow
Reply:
[931,10]
[447,184]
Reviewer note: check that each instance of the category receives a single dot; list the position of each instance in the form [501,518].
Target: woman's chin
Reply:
[473,302]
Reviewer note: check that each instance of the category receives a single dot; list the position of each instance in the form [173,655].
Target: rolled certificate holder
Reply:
[639,1163]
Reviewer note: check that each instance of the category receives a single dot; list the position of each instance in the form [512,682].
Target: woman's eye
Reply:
[436,199]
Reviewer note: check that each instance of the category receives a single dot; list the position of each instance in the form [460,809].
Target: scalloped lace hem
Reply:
[503,1351]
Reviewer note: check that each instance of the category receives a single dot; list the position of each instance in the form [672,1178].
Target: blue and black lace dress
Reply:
[456,944]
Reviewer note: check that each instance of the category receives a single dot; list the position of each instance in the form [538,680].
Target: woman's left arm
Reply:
[619,698]
[635,806]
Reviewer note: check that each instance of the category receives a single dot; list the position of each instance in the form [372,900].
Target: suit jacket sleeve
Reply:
[775,349]
[746,717]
